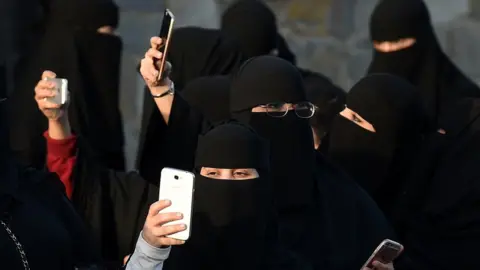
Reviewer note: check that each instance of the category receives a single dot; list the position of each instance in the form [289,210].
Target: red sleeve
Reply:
[61,159]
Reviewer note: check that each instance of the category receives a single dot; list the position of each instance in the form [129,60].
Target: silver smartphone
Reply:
[61,91]
[385,253]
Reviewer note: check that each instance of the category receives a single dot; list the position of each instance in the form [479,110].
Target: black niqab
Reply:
[379,161]
[253,25]
[424,64]
[229,216]
[267,79]
[210,95]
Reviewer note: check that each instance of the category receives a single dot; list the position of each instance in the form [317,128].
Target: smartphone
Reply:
[386,252]
[178,187]
[61,91]
[165,35]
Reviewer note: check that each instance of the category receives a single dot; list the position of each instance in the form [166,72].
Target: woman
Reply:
[78,44]
[113,216]
[210,95]
[198,52]
[29,196]
[379,134]
[233,206]
[405,45]
[268,94]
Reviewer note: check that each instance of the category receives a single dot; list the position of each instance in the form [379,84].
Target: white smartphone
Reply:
[61,91]
[178,187]
[385,253]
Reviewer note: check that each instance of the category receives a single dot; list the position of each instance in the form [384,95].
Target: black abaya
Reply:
[209,95]
[310,199]
[194,52]
[380,161]
[424,64]
[72,48]
[232,216]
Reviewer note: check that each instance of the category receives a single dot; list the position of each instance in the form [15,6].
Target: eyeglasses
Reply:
[280,109]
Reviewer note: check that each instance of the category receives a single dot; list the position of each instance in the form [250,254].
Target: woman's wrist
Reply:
[59,129]
[161,88]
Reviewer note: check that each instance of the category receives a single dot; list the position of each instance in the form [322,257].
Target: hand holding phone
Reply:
[177,186]
[156,230]
[51,95]
[385,253]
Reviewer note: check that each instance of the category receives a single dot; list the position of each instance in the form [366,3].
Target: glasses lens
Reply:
[278,109]
[304,109]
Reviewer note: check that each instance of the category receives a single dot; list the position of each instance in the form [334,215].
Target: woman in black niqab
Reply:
[194,52]
[73,49]
[233,224]
[424,64]
[380,160]
[211,96]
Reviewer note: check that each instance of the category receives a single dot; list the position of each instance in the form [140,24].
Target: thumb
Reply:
[48,74]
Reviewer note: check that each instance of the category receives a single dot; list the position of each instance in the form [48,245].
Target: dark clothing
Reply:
[211,96]
[253,25]
[424,64]
[438,216]
[57,240]
[343,209]
[380,161]
[114,204]
[71,47]
[194,52]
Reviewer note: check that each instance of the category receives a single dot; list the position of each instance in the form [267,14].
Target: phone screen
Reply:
[165,29]
[165,35]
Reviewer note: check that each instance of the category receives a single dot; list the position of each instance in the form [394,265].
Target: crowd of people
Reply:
[291,171]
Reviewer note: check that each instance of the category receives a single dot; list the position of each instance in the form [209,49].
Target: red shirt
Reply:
[61,159]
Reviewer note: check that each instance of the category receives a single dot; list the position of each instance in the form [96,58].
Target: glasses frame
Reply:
[289,108]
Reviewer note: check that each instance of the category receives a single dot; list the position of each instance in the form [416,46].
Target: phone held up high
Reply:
[178,187]
[385,253]
[165,35]
[61,91]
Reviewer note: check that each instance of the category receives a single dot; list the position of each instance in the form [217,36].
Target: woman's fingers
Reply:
[163,218]
[48,74]
[163,231]
[158,206]
[171,242]
[155,42]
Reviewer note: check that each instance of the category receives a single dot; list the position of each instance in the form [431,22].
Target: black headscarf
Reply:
[424,64]
[209,95]
[194,52]
[379,161]
[230,217]
[72,48]
[253,24]
[267,79]
[329,101]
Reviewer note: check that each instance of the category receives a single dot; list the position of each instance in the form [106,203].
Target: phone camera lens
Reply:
[176,177]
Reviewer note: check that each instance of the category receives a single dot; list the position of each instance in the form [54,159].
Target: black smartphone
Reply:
[165,35]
